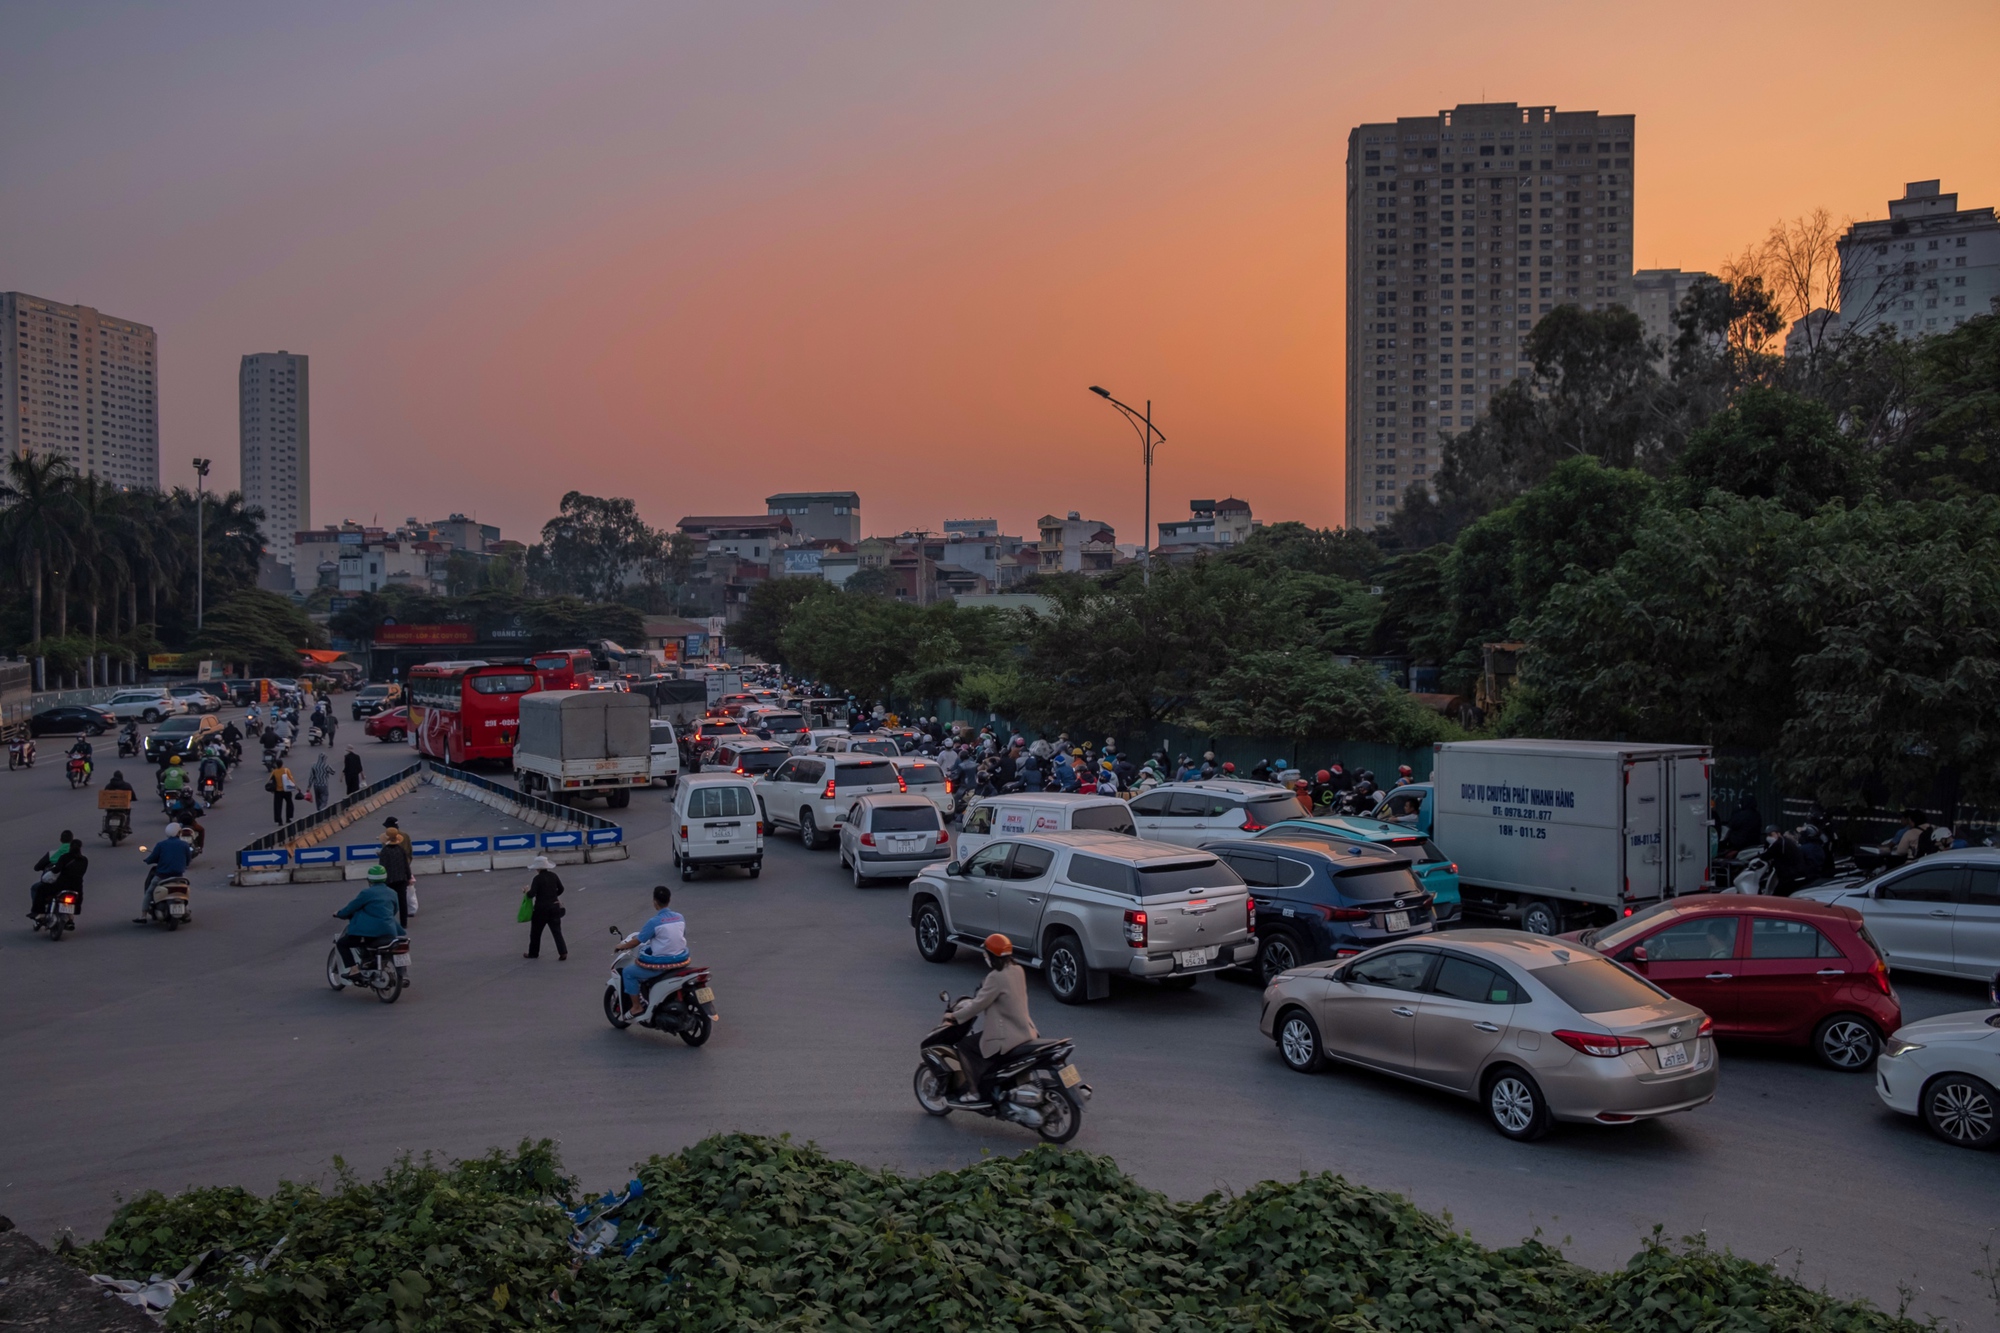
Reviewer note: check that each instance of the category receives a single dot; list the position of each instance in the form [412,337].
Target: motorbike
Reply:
[170,906]
[209,790]
[233,753]
[1034,1085]
[382,966]
[317,736]
[685,1008]
[21,752]
[117,824]
[128,743]
[59,915]
[79,771]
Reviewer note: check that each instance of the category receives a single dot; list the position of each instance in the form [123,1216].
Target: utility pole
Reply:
[200,538]
[1149,438]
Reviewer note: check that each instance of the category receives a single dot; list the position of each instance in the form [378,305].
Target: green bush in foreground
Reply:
[760,1234]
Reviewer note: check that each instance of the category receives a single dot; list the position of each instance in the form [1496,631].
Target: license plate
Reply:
[1196,957]
[704,995]
[1395,921]
[1674,1056]
[1070,1078]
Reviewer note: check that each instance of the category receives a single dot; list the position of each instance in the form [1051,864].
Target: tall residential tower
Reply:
[1462,228]
[276,431]
[80,385]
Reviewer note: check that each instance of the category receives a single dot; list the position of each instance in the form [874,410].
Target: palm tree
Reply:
[38,521]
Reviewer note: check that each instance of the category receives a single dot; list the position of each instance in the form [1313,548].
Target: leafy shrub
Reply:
[756,1234]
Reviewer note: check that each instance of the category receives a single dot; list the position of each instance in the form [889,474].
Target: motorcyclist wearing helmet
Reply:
[1403,774]
[1815,856]
[58,870]
[1261,771]
[168,859]
[173,777]
[1001,1005]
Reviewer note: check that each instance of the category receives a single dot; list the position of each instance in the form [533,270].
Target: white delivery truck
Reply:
[1551,835]
[576,743]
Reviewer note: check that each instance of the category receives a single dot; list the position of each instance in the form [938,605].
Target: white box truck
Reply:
[577,743]
[1551,835]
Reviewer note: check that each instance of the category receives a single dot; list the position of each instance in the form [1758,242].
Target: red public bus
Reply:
[563,668]
[461,711]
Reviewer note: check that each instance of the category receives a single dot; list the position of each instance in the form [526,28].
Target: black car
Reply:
[182,735]
[71,720]
[1317,900]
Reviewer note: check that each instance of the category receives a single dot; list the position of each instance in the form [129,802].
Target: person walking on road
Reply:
[283,788]
[546,889]
[395,859]
[320,780]
[350,771]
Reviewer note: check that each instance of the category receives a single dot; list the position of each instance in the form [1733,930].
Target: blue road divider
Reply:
[304,851]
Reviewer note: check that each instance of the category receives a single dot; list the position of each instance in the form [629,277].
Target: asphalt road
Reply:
[136,1059]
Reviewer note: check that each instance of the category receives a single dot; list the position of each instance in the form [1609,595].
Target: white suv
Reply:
[1191,813]
[811,792]
[143,705]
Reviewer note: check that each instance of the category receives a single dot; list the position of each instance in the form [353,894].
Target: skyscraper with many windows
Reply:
[1463,228]
[275,410]
[80,385]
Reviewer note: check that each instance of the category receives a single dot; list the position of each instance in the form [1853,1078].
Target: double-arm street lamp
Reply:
[1149,437]
[201,466]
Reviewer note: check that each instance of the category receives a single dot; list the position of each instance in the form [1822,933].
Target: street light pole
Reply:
[1149,438]
[200,538]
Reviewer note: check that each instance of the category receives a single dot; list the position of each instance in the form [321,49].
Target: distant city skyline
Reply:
[698,255]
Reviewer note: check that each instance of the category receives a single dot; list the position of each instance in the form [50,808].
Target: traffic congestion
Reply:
[1575,957]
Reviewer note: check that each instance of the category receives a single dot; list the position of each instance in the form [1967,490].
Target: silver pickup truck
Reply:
[1082,906]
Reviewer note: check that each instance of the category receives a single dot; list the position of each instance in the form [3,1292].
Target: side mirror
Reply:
[1636,955]
[616,931]
[944,998]
[952,868]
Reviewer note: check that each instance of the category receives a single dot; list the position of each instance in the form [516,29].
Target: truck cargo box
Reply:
[568,725]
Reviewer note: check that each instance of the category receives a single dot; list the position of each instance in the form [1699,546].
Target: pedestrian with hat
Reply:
[395,858]
[545,909]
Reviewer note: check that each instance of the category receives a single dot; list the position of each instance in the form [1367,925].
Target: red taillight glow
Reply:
[1344,913]
[684,832]
[1454,867]
[1252,826]
[900,784]
[944,836]
[1250,913]
[1880,974]
[1600,1044]
[867,840]
[1135,929]
[1707,1026]
[947,786]
[827,795]
[760,828]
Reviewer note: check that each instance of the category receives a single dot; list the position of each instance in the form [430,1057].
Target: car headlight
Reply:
[1896,1046]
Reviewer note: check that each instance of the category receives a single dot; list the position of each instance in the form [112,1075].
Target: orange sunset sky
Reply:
[696,253]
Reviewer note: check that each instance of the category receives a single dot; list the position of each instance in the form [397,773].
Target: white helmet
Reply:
[173,830]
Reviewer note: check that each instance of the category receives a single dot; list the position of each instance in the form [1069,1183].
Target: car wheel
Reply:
[756,869]
[1847,1042]
[395,735]
[1298,1042]
[687,872]
[933,941]
[150,715]
[1515,1106]
[1540,918]
[1278,952]
[1066,970]
[859,881]
[808,831]
[1962,1110]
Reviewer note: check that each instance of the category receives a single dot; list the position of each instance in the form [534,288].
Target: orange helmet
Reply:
[999,946]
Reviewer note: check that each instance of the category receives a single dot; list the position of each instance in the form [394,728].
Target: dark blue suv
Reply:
[1317,900]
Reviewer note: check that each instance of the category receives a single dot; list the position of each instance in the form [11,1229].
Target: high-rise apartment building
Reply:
[81,385]
[1656,300]
[1927,268]
[1463,227]
[275,424]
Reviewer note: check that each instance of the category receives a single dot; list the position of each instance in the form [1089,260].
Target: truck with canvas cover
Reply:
[576,743]
[1552,834]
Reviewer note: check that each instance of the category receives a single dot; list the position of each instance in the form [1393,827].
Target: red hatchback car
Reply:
[1770,969]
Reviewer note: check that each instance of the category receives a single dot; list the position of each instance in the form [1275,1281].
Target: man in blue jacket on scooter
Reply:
[370,917]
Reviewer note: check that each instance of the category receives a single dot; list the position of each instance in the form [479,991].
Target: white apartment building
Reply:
[1927,268]
[1656,300]
[274,413]
[1075,544]
[81,385]
[1463,227]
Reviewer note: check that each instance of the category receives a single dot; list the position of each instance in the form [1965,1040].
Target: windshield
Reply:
[1105,818]
[1179,877]
[520,684]
[761,761]
[1375,880]
[923,775]
[783,721]
[867,773]
[1598,986]
[1270,809]
[176,725]
[1612,938]
[875,747]
[906,819]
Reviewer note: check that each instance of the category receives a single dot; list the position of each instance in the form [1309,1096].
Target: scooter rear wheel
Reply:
[933,1093]
[698,1028]
[390,988]
[1062,1117]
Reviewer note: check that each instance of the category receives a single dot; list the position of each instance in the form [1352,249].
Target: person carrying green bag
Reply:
[541,909]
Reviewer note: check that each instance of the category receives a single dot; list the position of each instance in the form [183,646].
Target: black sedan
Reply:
[71,720]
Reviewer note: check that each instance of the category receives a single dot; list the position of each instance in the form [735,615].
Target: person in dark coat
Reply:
[547,890]
[395,859]
[350,771]
[1743,829]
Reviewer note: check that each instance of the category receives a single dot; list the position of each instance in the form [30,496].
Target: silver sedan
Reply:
[1534,1029]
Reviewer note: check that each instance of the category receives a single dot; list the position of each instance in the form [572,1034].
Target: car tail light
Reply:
[1601,1044]
[1344,913]
[947,787]
[827,795]
[1135,929]
[1454,867]
[760,828]
[867,840]
[1880,974]
[1707,1027]
[944,836]
[684,832]
[1252,826]
[900,784]
[1250,913]
[738,770]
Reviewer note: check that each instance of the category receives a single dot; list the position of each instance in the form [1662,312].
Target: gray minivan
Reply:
[1083,906]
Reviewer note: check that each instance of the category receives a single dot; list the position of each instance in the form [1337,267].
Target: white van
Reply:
[1042,812]
[666,752]
[716,823]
